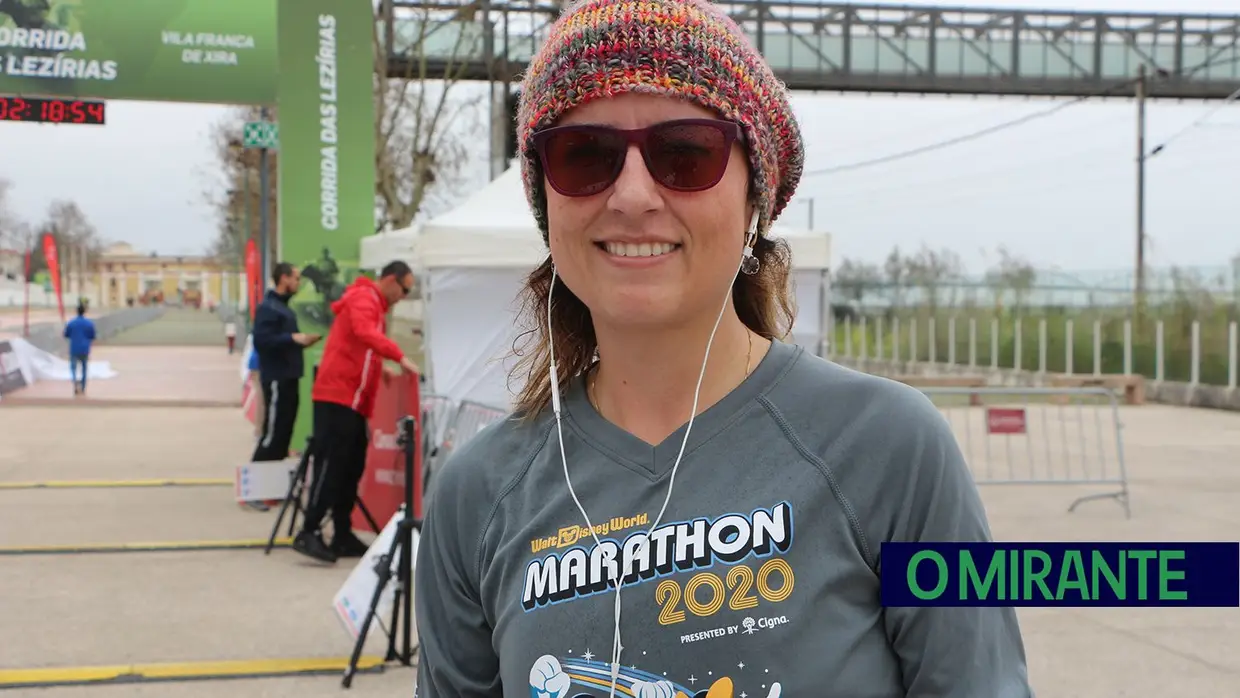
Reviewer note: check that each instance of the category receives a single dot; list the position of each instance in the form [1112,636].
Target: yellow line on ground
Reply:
[143,547]
[90,484]
[51,676]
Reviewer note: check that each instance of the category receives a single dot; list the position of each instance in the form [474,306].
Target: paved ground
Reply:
[12,323]
[172,606]
[184,375]
[180,358]
[122,608]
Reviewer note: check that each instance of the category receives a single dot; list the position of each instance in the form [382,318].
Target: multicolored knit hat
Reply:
[678,48]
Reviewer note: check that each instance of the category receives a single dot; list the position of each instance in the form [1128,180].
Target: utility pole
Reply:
[264,239]
[1140,275]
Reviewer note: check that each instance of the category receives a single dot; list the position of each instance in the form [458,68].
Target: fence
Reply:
[447,425]
[1043,346]
[1039,436]
[50,336]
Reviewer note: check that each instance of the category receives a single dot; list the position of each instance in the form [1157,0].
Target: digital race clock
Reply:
[51,110]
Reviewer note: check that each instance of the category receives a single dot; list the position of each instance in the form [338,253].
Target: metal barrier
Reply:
[1039,436]
[437,412]
[470,418]
[447,425]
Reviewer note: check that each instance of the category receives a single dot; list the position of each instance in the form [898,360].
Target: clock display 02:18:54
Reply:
[51,110]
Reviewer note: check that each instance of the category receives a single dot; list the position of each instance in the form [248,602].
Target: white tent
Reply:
[474,259]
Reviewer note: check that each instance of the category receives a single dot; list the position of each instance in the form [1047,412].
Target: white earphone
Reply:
[749,265]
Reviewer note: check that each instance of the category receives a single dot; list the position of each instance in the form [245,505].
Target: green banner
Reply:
[215,51]
[327,155]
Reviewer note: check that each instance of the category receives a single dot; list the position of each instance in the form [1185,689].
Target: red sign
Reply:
[382,489]
[253,283]
[53,269]
[1005,420]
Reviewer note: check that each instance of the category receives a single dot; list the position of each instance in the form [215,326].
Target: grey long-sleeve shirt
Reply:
[762,579]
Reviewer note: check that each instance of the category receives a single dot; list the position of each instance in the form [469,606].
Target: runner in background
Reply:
[230,334]
[80,332]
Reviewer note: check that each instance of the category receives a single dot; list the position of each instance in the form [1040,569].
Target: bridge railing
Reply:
[1052,52]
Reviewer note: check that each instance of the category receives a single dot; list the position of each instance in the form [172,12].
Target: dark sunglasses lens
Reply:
[583,162]
[687,157]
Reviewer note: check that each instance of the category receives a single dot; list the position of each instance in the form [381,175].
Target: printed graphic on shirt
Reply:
[671,549]
[552,677]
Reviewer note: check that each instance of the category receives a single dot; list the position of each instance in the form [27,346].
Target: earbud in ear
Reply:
[749,263]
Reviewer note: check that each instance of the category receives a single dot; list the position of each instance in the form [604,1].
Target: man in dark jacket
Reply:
[279,345]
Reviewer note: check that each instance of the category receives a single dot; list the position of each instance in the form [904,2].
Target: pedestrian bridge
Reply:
[857,48]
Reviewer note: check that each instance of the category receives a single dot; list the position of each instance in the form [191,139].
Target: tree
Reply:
[930,270]
[77,242]
[236,194]
[895,269]
[855,279]
[14,233]
[424,127]
[1011,274]
[12,230]
[425,120]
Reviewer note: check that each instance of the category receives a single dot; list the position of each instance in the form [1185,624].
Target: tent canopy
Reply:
[378,250]
[495,228]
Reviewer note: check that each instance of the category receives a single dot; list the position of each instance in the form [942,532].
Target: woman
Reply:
[657,148]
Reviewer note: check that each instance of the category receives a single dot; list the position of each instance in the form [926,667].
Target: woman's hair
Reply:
[764,302]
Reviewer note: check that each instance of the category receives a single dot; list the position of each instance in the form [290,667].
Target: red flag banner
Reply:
[253,283]
[53,268]
[26,300]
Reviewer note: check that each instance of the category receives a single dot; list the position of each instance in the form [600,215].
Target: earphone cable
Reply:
[622,567]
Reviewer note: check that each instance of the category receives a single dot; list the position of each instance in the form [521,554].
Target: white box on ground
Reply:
[352,602]
[256,482]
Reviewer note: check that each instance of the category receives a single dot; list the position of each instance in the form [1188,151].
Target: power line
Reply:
[981,133]
[1195,125]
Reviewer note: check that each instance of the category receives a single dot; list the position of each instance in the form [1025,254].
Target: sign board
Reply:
[312,59]
[352,602]
[11,376]
[1005,420]
[260,134]
[209,51]
[264,480]
[382,487]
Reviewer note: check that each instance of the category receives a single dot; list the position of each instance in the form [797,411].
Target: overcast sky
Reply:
[1059,191]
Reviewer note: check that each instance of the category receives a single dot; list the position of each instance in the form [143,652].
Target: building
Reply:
[124,276]
[12,264]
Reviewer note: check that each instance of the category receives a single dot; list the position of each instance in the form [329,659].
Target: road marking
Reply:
[157,547]
[95,484]
[182,671]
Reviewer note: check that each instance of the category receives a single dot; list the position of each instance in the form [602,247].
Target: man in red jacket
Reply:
[344,398]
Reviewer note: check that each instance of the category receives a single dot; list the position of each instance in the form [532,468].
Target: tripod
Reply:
[293,499]
[399,550]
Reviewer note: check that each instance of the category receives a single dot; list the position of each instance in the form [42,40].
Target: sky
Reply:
[1058,191]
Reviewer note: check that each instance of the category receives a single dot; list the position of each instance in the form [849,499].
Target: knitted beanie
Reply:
[679,48]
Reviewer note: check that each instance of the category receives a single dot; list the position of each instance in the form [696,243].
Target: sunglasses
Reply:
[685,155]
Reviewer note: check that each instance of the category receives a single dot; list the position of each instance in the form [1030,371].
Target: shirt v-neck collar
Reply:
[656,461]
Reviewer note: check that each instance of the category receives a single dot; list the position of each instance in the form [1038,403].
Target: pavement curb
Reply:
[181,671]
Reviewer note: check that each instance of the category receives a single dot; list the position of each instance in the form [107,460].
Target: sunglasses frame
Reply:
[730,130]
